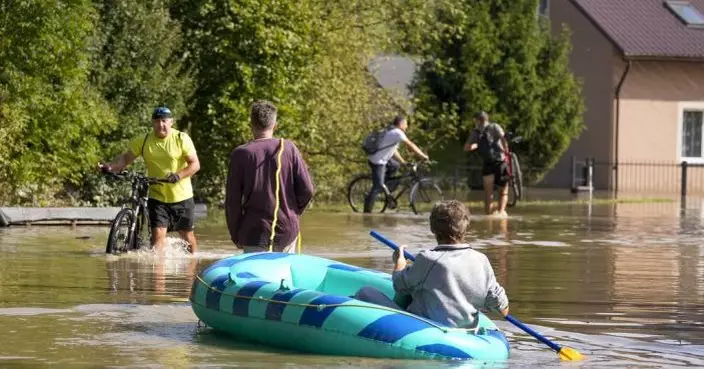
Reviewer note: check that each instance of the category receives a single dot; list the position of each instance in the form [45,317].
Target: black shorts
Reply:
[177,216]
[499,170]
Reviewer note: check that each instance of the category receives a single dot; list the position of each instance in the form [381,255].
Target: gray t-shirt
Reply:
[449,283]
[389,144]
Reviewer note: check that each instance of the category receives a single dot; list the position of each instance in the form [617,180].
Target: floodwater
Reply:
[623,284]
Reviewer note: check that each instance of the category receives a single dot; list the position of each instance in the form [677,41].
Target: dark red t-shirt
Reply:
[250,193]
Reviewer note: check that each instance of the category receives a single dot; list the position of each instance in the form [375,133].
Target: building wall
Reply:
[652,102]
[591,63]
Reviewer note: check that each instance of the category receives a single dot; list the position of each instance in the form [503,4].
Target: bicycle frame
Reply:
[137,202]
[406,181]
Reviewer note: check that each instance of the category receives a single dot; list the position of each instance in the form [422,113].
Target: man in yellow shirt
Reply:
[169,154]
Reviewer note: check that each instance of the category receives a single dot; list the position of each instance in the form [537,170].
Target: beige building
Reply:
[641,63]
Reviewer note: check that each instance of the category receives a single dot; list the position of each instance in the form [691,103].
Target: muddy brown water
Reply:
[622,283]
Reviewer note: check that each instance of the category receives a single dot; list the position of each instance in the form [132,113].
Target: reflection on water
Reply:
[142,276]
[623,284]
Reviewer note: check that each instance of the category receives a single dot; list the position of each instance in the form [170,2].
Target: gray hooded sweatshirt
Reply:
[449,283]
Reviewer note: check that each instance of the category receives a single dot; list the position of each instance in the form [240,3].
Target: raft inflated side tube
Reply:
[306,303]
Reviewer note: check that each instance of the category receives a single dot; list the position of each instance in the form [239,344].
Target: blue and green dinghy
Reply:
[303,302]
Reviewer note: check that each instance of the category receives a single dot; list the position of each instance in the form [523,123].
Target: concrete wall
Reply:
[591,62]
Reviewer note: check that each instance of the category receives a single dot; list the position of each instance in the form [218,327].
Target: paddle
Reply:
[565,353]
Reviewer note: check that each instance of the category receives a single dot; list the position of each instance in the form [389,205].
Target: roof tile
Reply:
[646,28]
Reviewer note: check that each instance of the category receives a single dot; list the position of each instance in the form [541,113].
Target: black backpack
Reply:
[373,141]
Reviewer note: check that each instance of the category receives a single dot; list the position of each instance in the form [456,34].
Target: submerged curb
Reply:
[66,216]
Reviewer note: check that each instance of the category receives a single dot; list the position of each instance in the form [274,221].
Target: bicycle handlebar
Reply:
[417,163]
[512,138]
[133,175]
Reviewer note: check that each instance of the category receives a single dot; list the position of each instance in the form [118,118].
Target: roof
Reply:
[645,28]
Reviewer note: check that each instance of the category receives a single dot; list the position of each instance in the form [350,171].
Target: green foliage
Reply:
[136,66]
[496,56]
[79,79]
[307,57]
[48,106]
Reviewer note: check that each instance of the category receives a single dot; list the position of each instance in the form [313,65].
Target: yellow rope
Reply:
[323,306]
[299,248]
[276,207]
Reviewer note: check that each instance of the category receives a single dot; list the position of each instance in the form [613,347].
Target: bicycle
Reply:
[515,176]
[131,224]
[423,190]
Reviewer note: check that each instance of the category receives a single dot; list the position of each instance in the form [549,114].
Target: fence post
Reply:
[683,187]
[615,177]
[573,172]
[590,176]
[683,184]
[454,182]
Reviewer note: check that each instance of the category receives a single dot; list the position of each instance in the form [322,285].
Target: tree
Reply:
[50,113]
[137,65]
[496,56]
[307,57]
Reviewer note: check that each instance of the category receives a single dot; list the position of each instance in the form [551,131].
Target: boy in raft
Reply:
[448,283]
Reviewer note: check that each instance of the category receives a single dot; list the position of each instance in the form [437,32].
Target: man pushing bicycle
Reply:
[491,142]
[170,154]
[383,155]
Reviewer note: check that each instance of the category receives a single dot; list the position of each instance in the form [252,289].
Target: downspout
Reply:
[618,118]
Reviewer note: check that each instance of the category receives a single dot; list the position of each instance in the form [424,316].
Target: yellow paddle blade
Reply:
[569,354]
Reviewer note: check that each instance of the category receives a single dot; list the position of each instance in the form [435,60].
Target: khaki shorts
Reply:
[290,248]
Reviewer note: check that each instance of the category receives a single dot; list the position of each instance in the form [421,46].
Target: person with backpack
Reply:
[383,157]
[489,139]
[169,154]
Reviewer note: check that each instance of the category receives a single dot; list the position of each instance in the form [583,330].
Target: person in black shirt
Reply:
[488,138]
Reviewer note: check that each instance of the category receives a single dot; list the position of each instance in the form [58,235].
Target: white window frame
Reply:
[692,105]
[673,4]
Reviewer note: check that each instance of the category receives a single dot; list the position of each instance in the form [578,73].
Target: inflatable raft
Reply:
[304,302]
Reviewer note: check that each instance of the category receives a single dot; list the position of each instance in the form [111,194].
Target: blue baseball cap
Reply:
[161,112]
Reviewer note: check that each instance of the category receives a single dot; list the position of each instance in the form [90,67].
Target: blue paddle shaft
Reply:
[508,317]
[391,244]
[533,333]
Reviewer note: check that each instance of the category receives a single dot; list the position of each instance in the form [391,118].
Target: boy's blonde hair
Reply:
[449,221]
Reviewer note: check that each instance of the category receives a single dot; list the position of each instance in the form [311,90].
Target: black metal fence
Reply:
[667,178]
[459,179]
[639,176]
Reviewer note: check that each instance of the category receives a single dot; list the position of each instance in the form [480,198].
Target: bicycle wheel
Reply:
[515,190]
[142,231]
[424,194]
[120,238]
[357,191]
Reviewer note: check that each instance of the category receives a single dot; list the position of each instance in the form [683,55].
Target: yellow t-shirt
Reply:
[163,156]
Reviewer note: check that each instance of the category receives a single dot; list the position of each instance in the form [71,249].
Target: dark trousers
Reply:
[380,173]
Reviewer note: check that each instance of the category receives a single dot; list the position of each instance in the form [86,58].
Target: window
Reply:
[692,133]
[687,13]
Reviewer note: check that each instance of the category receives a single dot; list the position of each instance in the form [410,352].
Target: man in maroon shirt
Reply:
[250,194]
